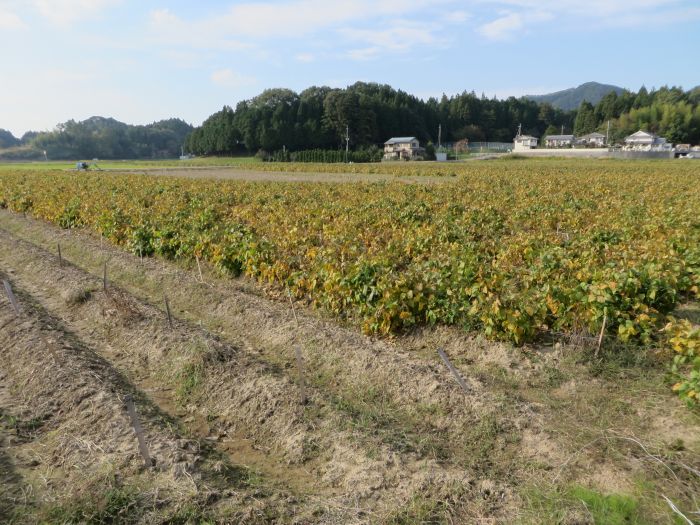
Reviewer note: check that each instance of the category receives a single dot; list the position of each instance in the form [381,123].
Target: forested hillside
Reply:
[99,137]
[571,99]
[319,116]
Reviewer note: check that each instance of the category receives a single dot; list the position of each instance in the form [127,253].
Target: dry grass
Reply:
[550,435]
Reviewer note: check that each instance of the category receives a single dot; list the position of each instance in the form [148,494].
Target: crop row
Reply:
[514,250]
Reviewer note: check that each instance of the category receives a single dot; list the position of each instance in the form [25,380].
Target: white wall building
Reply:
[402,148]
[524,142]
[559,141]
[645,141]
[592,140]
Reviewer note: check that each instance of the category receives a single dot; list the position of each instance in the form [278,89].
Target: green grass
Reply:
[614,509]
[115,505]
[189,380]
[578,504]
[20,426]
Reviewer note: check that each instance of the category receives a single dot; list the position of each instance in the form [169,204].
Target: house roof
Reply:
[400,140]
[641,134]
[595,134]
[525,137]
[559,137]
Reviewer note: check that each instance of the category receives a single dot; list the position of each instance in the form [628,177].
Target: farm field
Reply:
[512,268]
[132,164]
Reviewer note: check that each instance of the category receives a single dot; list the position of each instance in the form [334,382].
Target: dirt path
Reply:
[387,435]
[242,174]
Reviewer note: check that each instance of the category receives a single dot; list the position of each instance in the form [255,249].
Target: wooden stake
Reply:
[199,268]
[602,333]
[167,310]
[104,277]
[60,257]
[11,296]
[289,294]
[300,369]
[454,371]
[138,430]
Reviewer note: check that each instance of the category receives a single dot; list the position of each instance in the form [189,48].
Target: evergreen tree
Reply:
[585,119]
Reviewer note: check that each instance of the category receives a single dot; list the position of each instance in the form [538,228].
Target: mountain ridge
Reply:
[571,98]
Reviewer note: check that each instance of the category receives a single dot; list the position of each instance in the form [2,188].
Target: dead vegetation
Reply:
[545,434]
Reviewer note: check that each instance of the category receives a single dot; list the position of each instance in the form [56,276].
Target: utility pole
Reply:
[439,135]
[607,135]
[562,129]
[347,142]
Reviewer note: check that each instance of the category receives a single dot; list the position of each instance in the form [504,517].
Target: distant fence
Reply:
[477,147]
[625,154]
[486,147]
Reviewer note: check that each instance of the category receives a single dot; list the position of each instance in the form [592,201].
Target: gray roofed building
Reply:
[646,141]
[594,139]
[400,140]
[558,141]
[402,148]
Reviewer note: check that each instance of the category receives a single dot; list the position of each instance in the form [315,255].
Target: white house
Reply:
[558,141]
[592,140]
[645,141]
[402,148]
[524,142]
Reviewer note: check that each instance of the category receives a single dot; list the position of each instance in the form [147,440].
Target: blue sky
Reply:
[140,61]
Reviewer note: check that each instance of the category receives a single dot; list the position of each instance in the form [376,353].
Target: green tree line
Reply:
[669,112]
[318,118]
[99,137]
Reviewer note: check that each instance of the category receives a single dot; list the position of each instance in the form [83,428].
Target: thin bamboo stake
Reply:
[167,310]
[11,296]
[454,371]
[138,430]
[300,368]
[289,295]
[602,333]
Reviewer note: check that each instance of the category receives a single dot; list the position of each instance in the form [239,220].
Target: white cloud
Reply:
[456,17]
[402,36]
[503,28]
[287,19]
[367,53]
[521,14]
[300,17]
[66,12]
[168,28]
[253,27]
[9,20]
[512,24]
[230,79]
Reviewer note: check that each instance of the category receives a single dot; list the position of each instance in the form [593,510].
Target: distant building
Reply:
[645,141]
[592,140]
[403,148]
[559,141]
[524,142]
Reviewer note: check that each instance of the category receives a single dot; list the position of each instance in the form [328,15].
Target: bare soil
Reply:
[242,174]
[386,435]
